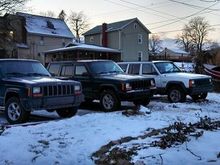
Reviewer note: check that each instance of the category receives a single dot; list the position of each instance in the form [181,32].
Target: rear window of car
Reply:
[148,69]
[67,70]
[134,69]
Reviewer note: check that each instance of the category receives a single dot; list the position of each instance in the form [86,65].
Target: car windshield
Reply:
[167,67]
[23,68]
[105,67]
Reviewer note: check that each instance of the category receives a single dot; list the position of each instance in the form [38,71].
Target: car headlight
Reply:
[152,83]
[36,90]
[77,89]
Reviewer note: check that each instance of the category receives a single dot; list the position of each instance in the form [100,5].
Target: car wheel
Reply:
[199,96]
[143,102]
[67,112]
[14,111]
[109,101]
[176,94]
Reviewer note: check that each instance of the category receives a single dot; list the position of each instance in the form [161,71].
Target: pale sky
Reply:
[157,15]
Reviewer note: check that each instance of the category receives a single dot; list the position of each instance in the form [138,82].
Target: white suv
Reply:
[170,80]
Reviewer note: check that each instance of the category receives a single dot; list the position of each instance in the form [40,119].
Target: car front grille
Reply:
[202,82]
[141,84]
[58,90]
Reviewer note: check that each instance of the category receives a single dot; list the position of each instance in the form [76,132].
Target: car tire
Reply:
[109,101]
[176,94]
[14,111]
[199,96]
[67,112]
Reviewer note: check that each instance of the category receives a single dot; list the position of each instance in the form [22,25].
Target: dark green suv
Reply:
[105,81]
[25,86]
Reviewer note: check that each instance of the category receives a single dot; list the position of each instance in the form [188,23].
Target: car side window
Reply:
[134,69]
[54,69]
[81,70]
[148,69]
[123,67]
[67,70]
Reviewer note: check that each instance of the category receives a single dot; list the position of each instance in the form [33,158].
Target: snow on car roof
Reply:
[36,24]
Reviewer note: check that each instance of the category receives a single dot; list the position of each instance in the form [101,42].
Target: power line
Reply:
[135,4]
[171,31]
[192,5]
[198,12]
[136,9]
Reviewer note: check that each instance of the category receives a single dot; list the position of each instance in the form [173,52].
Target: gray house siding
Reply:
[130,45]
[93,39]
[113,40]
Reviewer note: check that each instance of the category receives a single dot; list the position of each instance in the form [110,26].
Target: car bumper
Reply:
[137,94]
[200,89]
[52,103]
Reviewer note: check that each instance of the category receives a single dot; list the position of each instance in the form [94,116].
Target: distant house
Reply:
[130,37]
[33,34]
[170,51]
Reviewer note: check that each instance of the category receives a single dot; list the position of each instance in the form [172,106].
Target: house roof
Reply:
[176,52]
[41,25]
[77,46]
[114,26]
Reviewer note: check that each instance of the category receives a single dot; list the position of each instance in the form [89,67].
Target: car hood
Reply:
[36,80]
[122,77]
[186,75]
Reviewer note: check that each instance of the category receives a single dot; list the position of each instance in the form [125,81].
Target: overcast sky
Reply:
[157,15]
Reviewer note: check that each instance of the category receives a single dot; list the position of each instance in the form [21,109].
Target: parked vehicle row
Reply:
[26,86]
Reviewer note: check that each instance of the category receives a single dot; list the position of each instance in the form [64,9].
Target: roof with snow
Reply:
[77,46]
[171,46]
[114,26]
[41,25]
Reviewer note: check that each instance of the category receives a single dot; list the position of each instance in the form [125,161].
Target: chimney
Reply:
[104,35]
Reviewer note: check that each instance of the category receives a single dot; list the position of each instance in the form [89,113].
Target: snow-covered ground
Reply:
[72,141]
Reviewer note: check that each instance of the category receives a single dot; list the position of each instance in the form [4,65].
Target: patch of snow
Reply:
[72,141]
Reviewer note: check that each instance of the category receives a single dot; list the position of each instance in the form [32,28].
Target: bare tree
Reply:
[198,29]
[194,36]
[11,6]
[184,40]
[154,43]
[79,23]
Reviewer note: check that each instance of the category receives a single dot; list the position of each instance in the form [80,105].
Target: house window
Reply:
[91,39]
[140,56]
[41,40]
[135,25]
[140,38]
